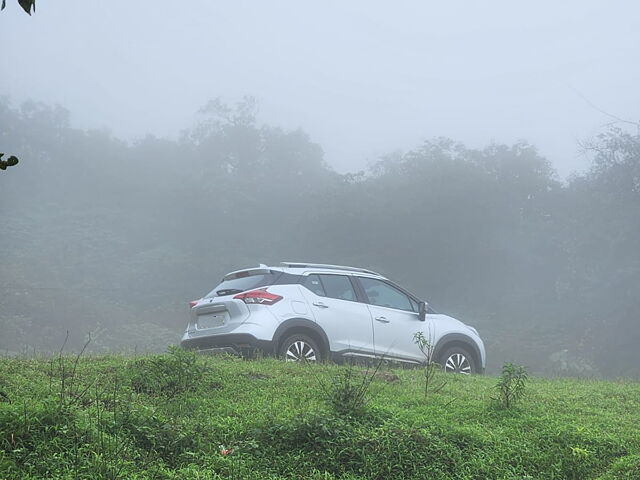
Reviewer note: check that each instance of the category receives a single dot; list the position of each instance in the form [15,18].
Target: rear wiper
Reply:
[228,291]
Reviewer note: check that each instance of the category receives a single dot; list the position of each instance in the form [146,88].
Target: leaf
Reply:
[10,162]
[27,5]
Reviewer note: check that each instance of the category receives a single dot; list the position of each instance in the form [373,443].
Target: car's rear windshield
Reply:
[244,283]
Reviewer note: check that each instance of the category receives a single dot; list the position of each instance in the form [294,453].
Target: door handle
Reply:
[382,319]
[320,304]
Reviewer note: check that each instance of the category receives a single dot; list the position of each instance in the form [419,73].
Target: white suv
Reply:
[305,311]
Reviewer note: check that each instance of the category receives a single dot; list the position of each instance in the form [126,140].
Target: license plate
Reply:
[210,321]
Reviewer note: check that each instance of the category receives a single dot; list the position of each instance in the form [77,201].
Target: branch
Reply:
[595,107]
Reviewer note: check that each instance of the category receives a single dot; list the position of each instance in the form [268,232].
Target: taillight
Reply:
[193,303]
[261,297]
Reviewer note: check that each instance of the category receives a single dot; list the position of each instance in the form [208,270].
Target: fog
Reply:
[484,155]
[362,78]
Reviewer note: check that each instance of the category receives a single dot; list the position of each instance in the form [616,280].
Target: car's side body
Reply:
[344,311]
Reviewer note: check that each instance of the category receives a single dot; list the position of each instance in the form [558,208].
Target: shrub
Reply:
[511,384]
[156,434]
[168,375]
[376,450]
[347,393]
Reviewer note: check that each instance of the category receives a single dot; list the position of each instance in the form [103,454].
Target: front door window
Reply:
[384,295]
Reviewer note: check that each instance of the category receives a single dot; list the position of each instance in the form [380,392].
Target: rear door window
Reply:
[313,283]
[338,286]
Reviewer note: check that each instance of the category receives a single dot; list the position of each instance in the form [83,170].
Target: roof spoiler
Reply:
[261,269]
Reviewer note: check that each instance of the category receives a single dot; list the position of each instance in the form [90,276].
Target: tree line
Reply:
[113,238]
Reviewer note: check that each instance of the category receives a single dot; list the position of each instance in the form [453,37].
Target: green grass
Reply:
[169,417]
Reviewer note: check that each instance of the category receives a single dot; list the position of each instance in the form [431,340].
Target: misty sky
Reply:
[361,77]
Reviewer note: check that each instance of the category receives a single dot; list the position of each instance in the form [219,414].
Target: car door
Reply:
[335,306]
[395,320]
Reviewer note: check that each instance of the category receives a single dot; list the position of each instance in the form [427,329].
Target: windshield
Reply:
[242,284]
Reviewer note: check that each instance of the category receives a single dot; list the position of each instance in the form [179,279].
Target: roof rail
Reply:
[327,266]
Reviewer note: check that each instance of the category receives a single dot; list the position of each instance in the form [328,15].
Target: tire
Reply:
[300,348]
[458,360]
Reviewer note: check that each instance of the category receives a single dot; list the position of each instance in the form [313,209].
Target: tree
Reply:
[603,271]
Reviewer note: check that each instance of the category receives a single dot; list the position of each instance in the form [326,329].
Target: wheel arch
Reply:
[305,327]
[459,340]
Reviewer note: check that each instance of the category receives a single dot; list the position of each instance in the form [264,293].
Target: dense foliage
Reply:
[272,420]
[113,238]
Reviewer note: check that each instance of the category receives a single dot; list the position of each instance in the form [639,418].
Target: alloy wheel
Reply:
[457,363]
[300,351]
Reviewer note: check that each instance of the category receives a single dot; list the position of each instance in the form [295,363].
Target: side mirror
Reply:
[422,311]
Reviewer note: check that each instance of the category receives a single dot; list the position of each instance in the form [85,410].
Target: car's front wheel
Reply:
[458,360]
[300,348]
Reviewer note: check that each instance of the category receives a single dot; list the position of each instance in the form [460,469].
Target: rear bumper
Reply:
[234,343]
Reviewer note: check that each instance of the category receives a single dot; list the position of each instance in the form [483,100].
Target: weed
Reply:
[110,443]
[347,393]
[511,385]
[431,368]
[69,390]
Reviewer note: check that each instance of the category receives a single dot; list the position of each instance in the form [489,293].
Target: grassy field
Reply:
[182,416]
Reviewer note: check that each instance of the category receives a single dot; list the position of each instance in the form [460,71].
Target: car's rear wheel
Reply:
[458,360]
[300,348]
